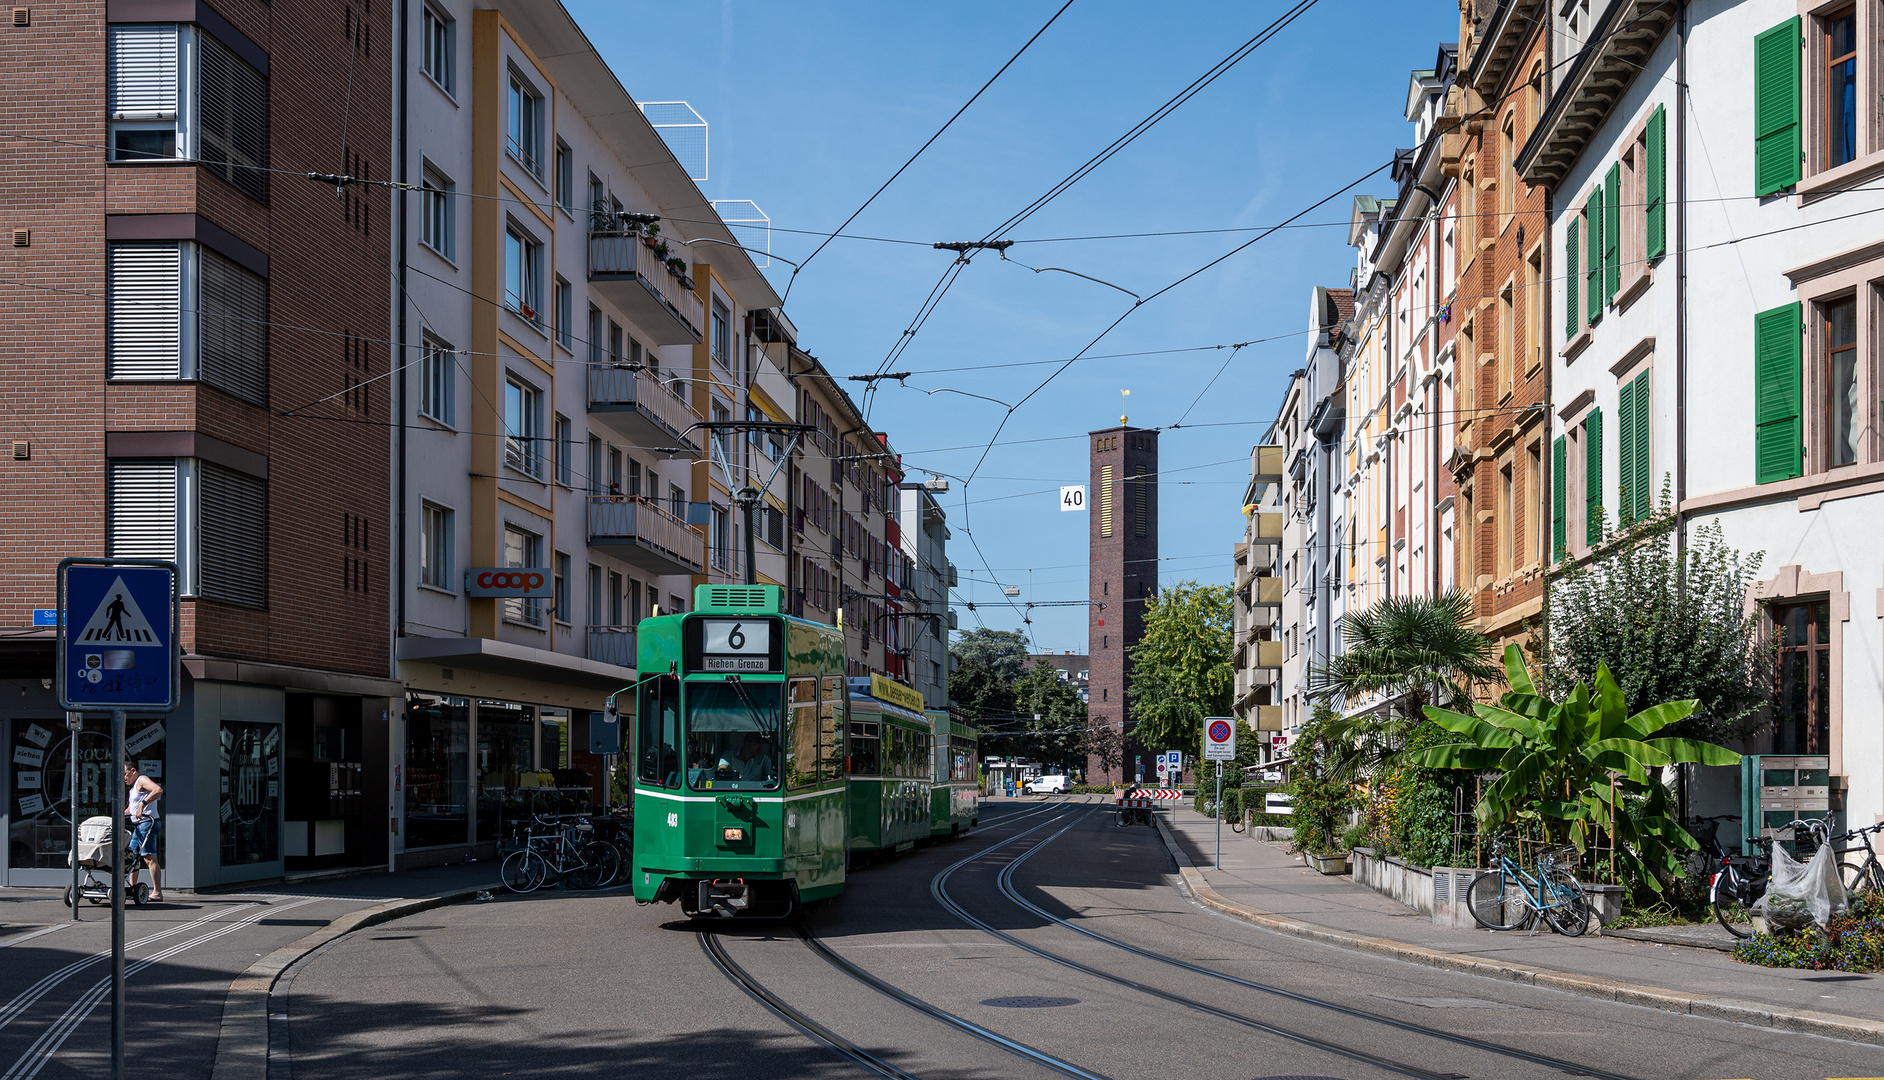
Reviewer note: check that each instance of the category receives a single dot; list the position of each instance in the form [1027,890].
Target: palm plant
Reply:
[1411,651]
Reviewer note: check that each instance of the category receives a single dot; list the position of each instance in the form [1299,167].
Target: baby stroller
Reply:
[98,850]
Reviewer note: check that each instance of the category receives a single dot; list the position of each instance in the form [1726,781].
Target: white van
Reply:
[1047,785]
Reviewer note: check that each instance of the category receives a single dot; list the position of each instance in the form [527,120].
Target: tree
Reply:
[988,669]
[1669,626]
[1321,798]
[1180,668]
[1579,767]
[1052,715]
[1411,651]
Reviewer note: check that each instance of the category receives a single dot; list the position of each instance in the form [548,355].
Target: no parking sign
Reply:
[1219,738]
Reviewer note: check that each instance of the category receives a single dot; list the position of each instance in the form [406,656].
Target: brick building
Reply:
[216,397]
[1124,573]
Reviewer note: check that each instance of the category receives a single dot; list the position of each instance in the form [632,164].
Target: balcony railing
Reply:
[612,645]
[642,392]
[644,534]
[634,277]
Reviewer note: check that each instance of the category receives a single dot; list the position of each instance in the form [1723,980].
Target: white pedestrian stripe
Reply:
[118,620]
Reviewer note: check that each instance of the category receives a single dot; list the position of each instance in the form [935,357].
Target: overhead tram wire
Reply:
[919,150]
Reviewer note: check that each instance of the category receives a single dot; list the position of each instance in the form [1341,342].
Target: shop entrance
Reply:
[328,746]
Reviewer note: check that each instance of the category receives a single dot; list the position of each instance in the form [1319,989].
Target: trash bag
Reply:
[1802,893]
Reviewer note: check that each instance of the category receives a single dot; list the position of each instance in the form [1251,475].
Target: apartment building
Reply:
[1716,341]
[573,329]
[216,398]
[1261,638]
[924,529]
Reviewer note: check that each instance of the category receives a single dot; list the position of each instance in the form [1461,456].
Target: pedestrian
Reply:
[146,829]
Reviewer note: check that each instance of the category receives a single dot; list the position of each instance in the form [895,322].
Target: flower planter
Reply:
[1327,864]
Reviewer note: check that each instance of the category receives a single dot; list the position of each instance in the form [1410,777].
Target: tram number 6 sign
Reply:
[1219,738]
[1073,498]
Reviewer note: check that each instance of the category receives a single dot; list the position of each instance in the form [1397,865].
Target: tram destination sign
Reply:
[738,646]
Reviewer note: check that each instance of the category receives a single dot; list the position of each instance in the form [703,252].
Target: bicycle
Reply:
[1859,876]
[564,854]
[1742,879]
[1506,898]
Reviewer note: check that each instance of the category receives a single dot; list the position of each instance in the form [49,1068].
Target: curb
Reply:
[1804,1021]
[242,1040]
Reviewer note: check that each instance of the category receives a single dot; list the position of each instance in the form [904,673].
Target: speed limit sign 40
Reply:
[1219,738]
[1072,498]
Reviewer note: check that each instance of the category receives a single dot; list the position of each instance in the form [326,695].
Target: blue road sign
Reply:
[45,616]
[117,639]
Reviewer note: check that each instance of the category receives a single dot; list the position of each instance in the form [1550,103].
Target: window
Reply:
[523,550]
[437,379]
[615,339]
[211,520]
[1536,541]
[614,471]
[1592,447]
[523,428]
[565,451]
[523,275]
[676,500]
[1839,51]
[177,310]
[438,196]
[722,539]
[565,314]
[721,435]
[1635,436]
[561,601]
[1838,381]
[1534,336]
[1508,536]
[526,126]
[595,334]
[435,544]
[722,340]
[565,176]
[1507,190]
[1802,711]
[1507,343]
[440,59]
[176,92]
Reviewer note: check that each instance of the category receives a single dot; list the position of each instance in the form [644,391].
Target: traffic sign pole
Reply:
[120,850]
[74,723]
[1219,747]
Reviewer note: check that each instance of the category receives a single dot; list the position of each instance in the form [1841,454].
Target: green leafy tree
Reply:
[1180,669]
[1578,767]
[1669,625]
[1412,651]
[988,669]
[1321,797]
[1053,716]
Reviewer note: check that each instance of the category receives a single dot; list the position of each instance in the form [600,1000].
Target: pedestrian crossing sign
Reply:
[123,654]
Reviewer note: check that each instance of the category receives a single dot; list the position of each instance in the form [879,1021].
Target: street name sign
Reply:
[117,635]
[1219,738]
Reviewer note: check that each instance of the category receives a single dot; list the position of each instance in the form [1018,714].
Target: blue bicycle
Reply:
[1506,898]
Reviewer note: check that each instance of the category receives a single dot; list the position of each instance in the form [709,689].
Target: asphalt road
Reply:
[572,985]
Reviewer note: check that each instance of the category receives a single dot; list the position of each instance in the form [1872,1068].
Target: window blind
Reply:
[233,346]
[143,290]
[143,72]
[233,536]
[141,509]
[233,112]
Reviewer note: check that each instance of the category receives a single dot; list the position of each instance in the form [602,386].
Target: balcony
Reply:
[1265,528]
[1266,717]
[626,271]
[1266,591]
[1268,654]
[1265,464]
[643,535]
[637,406]
[612,645]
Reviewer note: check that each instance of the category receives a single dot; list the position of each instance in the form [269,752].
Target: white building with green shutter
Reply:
[1717,298]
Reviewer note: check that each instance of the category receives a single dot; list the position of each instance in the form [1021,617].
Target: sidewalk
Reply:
[1263,884]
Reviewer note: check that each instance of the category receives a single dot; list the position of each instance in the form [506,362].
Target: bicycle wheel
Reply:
[524,871]
[1496,901]
[1725,899]
[624,863]
[1570,906]
[597,862]
[1859,876]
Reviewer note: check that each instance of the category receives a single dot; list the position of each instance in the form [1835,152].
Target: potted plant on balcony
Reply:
[650,236]
[677,266]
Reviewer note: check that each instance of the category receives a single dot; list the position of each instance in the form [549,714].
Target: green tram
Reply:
[954,804]
[762,773]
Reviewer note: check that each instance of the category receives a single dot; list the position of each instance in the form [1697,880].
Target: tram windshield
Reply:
[732,735]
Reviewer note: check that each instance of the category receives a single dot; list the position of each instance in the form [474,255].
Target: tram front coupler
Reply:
[725,897]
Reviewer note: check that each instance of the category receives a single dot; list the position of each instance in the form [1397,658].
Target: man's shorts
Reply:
[144,837]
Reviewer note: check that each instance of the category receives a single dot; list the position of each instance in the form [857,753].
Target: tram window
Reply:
[801,745]
[832,719]
[659,740]
[733,735]
[863,754]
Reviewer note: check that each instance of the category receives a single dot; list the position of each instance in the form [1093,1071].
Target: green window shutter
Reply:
[1656,168]
[1625,455]
[1612,233]
[1777,453]
[1593,477]
[1593,257]
[1777,153]
[1572,315]
[1643,476]
[1558,540]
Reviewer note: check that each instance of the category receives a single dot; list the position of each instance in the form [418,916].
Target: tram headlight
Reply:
[732,834]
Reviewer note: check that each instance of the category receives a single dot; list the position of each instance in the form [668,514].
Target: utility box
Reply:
[1778,788]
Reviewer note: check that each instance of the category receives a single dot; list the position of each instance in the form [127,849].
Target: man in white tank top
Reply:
[146,829]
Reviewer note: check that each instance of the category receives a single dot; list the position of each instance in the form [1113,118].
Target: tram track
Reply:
[939,890]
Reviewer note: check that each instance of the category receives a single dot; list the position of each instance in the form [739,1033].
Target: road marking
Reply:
[55,1035]
[41,932]
[24,999]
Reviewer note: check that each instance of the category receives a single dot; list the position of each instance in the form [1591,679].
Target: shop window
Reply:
[39,756]
[250,814]
[1802,709]
[437,774]
[506,751]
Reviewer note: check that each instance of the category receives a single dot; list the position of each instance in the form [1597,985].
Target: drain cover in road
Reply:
[1450,1002]
[1030,1002]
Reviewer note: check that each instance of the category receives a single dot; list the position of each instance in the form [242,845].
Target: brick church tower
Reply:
[1124,572]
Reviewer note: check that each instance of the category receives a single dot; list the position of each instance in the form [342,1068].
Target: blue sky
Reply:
[812,105]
